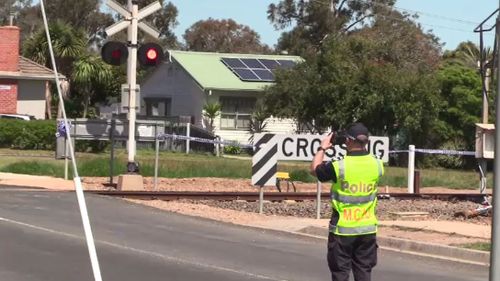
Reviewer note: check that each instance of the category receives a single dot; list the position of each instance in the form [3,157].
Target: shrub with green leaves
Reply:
[35,134]
[232,149]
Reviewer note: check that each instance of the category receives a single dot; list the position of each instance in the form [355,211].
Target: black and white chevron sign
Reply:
[265,160]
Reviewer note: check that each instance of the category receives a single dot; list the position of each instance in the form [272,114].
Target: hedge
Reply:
[34,134]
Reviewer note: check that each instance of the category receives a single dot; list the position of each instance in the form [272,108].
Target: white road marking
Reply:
[154,254]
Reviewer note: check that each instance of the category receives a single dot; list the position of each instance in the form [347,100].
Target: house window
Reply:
[157,107]
[236,112]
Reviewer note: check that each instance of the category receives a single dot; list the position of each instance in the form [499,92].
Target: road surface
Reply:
[42,239]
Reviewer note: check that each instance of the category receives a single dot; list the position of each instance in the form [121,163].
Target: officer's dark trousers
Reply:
[358,253]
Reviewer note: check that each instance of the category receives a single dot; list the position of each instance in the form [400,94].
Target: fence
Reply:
[412,180]
[116,132]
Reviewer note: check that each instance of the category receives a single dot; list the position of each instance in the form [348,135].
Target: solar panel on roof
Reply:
[270,64]
[256,70]
[253,63]
[246,74]
[264,74]
[233,62]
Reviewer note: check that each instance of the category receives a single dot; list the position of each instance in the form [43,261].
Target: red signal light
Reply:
[114,53]
[150,54]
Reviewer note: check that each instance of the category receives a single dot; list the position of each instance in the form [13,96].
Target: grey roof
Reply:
[31,70]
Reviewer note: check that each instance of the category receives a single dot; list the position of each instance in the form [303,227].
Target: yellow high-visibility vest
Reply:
[354,195]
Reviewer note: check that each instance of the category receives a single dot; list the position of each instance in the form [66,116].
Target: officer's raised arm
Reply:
[326,143]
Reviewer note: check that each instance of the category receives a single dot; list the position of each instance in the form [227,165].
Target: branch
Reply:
[341,4]
[356,22]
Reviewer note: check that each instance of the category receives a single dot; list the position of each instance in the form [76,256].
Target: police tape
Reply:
[61,128]
[445,152]
[232,143]
[437,151]
[398,151]
[202,140]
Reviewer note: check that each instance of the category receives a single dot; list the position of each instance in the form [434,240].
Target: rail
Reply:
[277,196]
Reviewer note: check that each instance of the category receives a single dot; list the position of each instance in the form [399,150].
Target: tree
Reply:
[316,20]
[211,111]
[461,95]
[468,54]
[88,74]
[258,120]
[11,7]
[84,14]
[225,36]
[68,44]
[372,75]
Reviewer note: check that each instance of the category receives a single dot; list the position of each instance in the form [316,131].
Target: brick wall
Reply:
[9,48]
[8,96]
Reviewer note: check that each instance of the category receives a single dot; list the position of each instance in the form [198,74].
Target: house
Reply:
[189,80]
[23,83]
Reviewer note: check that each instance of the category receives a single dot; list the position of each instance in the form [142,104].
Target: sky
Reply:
[453,21]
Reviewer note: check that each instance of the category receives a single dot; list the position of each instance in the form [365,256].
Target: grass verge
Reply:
[480,246]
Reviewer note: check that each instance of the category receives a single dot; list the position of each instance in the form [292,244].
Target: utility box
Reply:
[485,141]
[62,148]
[126,94]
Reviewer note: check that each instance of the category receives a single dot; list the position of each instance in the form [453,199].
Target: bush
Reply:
[35,134]
[232,149]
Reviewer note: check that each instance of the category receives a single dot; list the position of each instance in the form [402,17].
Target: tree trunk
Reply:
[86,105]
[48,101]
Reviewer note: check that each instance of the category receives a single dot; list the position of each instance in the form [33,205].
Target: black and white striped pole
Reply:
[264,164]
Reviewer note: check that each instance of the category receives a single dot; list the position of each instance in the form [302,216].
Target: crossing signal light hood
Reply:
[114,53]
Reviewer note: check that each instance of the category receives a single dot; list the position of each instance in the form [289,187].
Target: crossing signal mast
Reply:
[117,53]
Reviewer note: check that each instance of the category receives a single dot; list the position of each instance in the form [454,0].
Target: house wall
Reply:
[9,61]
[171,81]
[274,125]
[8,96]
[31,98]
[187,98]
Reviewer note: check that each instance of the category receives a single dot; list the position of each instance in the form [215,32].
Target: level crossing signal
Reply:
[116,53]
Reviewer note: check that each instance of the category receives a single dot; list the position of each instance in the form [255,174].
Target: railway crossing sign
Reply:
[127,14]
[273,147]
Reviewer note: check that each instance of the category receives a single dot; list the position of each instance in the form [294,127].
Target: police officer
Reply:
[352,241]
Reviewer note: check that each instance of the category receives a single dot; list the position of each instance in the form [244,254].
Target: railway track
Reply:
[276,196]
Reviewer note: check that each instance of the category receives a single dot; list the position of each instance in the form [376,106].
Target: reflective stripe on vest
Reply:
[341,170]
[357,230]
[353,199]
